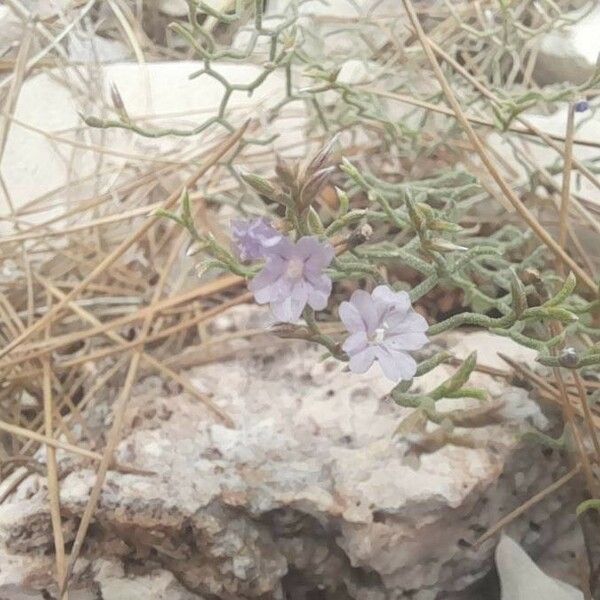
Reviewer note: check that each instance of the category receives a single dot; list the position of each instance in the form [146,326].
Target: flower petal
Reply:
[285,249]
[320,290]
[288,310]
[355,343]
[411,322]
[362,361]
[282,310]
[396,366]
[406,341]
[320,258]
[262,286]
[253,236]
[351,317]
[385,294]
[307,245]
[363,302]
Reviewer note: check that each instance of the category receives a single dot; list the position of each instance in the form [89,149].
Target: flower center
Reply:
[379,335]
[295,268]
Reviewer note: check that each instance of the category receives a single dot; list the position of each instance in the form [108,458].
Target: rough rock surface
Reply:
[310,497]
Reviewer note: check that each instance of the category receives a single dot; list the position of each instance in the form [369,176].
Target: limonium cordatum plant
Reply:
[293,277]
[357,275]
[332,282]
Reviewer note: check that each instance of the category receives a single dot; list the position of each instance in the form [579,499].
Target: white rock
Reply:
[354,72]
[11,30]
[156,585]
[38,162]
[521,579]
[95,49]
[569,53]
[173,8]
[179,8]
[311,481]
[487,345]
[587,128]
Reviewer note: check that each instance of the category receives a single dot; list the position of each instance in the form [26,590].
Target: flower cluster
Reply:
[254,238]
[383,326]
[292,276]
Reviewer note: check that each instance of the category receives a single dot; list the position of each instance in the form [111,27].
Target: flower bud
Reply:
[440,225]
[92,121]
[118,103]
[532,277]
[519,296]
[562,314]
[195,247]
[261,185]
[568,358]
[442,245]
[415,212]
[314,221]
[323,156]
[360,235]
[343,200]
[286,171]
[313,185]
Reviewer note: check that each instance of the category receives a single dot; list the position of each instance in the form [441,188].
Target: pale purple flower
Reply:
[581,106]
[384,327]
[293,277]
[252,238]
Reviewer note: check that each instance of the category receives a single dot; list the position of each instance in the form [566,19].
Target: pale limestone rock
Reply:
[522,579]
[47,9]
[157,584]
[570,52]
[488,346]
[37,161]
[355,72]
[310,492]
[587,128]
[173,8]
[96,49]
[11,30]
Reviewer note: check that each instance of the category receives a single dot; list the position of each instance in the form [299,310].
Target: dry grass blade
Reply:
[13,93]
[52,473]
[589,420]
[202,317]
[156,364]
[49,441]
[475,120]
[569,419]
[536,131]
[527,505]
[221,150]
[565,196]
[121,403]
[39,349]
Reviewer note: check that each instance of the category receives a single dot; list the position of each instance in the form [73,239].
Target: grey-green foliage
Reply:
[507,282]
[505,274]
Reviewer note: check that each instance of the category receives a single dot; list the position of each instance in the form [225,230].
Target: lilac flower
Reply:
[581,106]
[383,326]
[293,277]
[254,237]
